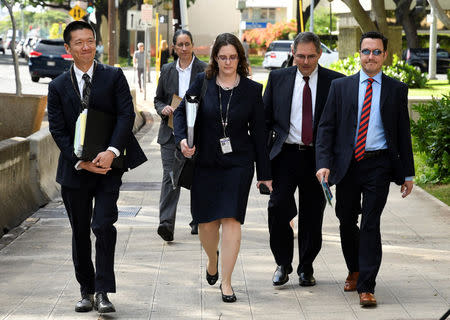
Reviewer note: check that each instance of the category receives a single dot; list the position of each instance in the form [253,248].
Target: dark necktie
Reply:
[364,122]
[86,90]
[307,131]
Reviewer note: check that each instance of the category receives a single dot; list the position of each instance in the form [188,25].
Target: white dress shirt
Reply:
[184,77]
[295,129]
[79,76]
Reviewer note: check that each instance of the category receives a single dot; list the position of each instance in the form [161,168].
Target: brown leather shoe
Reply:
[367,299]
[351,281]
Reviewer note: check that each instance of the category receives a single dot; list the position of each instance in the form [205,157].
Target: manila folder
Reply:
[175,103]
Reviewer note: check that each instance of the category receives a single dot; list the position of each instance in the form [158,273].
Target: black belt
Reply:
[375,153]
[300,147]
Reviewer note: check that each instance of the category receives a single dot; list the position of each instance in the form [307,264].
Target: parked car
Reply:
[280,55]
[48,59]
[2,46]
[419,57]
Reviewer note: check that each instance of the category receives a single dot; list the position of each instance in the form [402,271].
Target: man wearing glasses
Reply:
[363,143]
[294,99]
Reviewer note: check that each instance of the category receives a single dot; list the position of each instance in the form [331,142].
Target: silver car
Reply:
[279,55]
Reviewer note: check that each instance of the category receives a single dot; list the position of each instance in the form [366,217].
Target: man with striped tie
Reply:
[363,143]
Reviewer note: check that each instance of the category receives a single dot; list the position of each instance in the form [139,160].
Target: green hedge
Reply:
[399,70]
[432,138]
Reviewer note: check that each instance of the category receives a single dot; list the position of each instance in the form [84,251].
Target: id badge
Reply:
[225,144]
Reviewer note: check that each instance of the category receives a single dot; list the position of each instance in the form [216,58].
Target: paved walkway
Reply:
[159,280]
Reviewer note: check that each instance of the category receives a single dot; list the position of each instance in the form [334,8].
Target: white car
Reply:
[279,55]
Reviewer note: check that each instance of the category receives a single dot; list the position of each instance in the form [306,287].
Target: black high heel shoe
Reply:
[212,279]
[228,298]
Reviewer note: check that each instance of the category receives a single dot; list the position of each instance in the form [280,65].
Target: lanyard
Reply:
[224,121]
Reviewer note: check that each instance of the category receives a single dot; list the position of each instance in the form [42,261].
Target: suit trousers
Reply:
[362,246]
[168,199]
[292,169]
[84,214]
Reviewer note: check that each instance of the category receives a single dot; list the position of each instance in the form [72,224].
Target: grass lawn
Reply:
[440,191]
[434,88]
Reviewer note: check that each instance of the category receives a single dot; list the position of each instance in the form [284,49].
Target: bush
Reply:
[432,138]
[406,73]
[347,66]
[262,37]
[399,70]
[448,75]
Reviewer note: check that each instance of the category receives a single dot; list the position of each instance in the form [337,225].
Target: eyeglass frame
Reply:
[375,52]
[231,58]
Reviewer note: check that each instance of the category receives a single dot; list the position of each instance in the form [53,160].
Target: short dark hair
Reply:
[374,35]
[178,33]
[225,39]
[307,37]
[76,25]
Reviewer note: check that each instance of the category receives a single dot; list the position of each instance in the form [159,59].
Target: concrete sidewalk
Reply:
[159,280]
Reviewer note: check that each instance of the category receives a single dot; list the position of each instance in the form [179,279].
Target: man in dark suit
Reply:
[364,143]
[294,100]
[91,85]
[176,78]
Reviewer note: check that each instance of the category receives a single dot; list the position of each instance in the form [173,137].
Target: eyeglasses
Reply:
[225,58]
[375,52]
[183,44]
[309,57]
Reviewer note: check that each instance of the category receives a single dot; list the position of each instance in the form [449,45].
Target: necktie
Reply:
[86,90]
[364,122]
[307,131]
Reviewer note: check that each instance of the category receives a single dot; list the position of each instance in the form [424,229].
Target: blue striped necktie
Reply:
[364,122]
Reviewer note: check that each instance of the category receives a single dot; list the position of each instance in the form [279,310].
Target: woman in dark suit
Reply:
[230,138]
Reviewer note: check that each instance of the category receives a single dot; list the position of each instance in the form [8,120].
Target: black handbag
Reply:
[183,168]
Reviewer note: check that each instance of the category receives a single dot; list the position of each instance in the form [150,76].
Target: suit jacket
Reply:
[246,128]
[110,93]
[167,87]
[337,128]
[278,100]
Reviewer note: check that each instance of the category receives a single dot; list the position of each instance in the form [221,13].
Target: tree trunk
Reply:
[440,13]
[405,17]
[98,25]
[380,16]
[176,15]
[362,17]
[13,48]
[123,32]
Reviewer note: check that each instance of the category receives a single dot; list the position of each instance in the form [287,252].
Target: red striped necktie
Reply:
[364,122]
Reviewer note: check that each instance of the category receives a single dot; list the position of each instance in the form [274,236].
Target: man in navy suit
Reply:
[294,100]
[363,143]
[91,85]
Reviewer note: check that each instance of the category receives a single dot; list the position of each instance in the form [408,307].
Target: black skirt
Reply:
[219,193]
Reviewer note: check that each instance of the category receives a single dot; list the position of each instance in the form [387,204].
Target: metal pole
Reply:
[184,15]
[311,17]
[432,49]
[146,50]
[112,32]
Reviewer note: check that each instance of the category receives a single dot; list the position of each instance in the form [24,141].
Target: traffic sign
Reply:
[134,21]
[77,12]
[147,13]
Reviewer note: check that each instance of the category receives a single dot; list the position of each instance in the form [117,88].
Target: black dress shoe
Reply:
[307,279]
[165,232]
[85,304]
[102,303]
[194,229]
[281,275]
[227,298]
[212,279]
